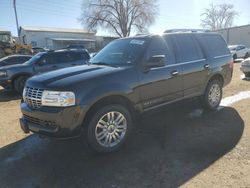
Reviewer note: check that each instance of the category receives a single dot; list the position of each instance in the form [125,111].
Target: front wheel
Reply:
[213,94]
[109,128]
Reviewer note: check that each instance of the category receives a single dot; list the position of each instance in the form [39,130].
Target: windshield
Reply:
[120,52]
[4,37]
[34,59]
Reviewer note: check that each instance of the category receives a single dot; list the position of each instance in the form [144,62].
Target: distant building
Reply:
[237,35]
[56,38]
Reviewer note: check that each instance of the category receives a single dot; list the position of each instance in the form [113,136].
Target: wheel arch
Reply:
[19,75]
[112,99]
[217,76]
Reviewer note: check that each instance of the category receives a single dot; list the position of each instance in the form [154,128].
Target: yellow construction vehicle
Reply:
[8,45]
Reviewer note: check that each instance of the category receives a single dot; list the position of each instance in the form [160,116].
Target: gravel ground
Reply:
[191,149]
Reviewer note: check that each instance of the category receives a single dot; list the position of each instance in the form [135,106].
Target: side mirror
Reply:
[155,61]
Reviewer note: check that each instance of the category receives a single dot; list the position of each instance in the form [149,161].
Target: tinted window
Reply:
[171,48]
[50,58]
[214,44]
[187,48]
[76,56]
[23,59]
[63,57]
[157,46]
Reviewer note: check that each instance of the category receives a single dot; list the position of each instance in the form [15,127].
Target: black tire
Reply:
[207,99]
[247,74]
[247,55]
[235,56]
[19,84]
[92,128]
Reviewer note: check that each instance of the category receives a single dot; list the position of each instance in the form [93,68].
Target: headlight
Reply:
[57,98]
[3,73]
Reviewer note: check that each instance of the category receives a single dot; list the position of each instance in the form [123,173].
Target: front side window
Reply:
[157,46]
[48,59]
[35,58]
[121,52]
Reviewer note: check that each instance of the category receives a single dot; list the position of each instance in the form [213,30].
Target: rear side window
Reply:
[23,59]
[187,49]
[214,44]
[76,56]
[12,60]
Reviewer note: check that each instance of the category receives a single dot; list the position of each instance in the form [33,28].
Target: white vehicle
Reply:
[245,67]
[239,51]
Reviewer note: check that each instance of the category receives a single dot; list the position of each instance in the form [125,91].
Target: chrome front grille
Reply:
[33,96]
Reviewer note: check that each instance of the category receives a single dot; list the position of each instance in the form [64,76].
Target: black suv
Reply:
[129,75]
[15,76]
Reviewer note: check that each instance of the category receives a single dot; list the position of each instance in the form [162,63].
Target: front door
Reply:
[159,85]
[47,62]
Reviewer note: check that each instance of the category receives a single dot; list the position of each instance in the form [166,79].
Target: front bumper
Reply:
[245,68]
[57,122]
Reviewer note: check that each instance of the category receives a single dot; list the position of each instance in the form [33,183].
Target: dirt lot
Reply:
[177,146]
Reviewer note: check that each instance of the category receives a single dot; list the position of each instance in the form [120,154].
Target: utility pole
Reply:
[17,25]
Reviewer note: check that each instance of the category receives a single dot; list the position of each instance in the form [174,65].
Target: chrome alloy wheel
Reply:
[214,95]
[111,129]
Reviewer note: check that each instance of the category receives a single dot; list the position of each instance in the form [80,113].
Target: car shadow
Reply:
[167,148]
[6,95]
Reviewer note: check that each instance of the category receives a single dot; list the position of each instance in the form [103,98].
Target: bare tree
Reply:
[218,16]
[120,16]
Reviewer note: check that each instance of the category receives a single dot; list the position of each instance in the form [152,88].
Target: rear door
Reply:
[194,64]
[159,85]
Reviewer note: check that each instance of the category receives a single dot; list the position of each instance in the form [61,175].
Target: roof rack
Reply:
[186,31]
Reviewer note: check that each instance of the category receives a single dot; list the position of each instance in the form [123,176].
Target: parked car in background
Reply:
[239,51]
[245,67]
[39,49]
[15,76]
[14,59]
[129,76]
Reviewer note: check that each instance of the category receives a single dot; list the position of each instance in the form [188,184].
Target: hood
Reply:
[67,77]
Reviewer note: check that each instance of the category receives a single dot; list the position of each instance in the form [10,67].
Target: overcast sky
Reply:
[64,13]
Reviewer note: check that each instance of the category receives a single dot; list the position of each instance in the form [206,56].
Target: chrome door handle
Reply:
[174,73]
[206,66]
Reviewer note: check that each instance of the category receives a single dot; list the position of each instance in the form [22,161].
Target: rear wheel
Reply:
[213,94]
[109,128]
[19,84]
